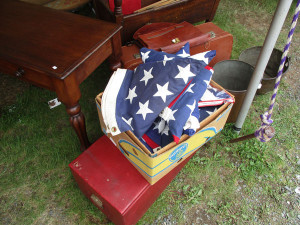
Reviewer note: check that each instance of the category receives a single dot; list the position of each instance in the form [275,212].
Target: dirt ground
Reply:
[10,88]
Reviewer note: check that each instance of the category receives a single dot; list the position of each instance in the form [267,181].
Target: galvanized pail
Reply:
[234,76]
[251,55]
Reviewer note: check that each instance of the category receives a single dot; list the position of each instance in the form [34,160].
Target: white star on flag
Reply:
[184,73]
[128,121]
[207,82]
[212,111]
[166,130]
[147,76]
[144,110]
[207,95]
[192,107]
[190,88]
[166,59]
[160,126]
[201,56]
[192,123]
[183,54]
[155,125]
[168,114]
[171,115]
[162,91]
[145,55]
[131,94]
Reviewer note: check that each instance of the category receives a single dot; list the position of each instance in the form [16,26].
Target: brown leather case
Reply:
[150,28]
[131,56]
[174,34]
[219,40]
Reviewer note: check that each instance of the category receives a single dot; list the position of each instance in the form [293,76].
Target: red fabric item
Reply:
[128,6]
[150,142]
[176,139]
[173,102]
[208,68]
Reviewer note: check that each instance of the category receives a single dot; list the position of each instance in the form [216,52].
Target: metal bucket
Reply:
[234,76]
[268,82]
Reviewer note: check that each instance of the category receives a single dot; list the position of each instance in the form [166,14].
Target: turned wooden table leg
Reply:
[68,92]
[77,121]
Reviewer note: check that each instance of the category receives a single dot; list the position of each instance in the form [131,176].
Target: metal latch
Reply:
[212,34]
[175,40]
[97,201]
[137,56]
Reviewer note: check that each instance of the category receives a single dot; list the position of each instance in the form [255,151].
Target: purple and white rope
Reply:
[266,117]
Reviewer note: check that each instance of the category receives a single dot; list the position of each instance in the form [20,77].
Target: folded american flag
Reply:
[133,100]
[178,114]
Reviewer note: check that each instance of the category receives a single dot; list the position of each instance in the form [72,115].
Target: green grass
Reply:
[241,183]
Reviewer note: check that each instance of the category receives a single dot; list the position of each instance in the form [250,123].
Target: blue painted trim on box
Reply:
[153,156]
[98,107]
[223,114]
[180,149]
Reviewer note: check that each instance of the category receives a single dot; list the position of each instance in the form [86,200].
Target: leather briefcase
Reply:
[170,39]
[221,41]
[131,56]
[218,40]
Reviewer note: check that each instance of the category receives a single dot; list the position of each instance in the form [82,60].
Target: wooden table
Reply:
[56,50]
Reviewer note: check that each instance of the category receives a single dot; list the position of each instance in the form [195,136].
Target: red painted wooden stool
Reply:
[106,177]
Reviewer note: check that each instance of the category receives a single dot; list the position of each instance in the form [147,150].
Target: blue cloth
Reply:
[159,98]
[150,55]
[136,98]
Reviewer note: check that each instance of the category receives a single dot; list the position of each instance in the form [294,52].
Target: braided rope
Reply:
[260,134]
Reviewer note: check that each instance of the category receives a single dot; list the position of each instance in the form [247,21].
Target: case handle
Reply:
[193,42]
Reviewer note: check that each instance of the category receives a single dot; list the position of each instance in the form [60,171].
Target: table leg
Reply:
[77,121]
[115,58]
[68,92]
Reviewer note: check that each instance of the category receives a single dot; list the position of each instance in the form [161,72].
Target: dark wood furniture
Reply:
[56,50]
[185,10]
[66,5]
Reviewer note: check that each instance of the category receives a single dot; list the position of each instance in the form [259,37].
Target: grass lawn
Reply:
[243,183]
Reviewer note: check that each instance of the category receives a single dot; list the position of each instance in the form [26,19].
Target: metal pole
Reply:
[269,43]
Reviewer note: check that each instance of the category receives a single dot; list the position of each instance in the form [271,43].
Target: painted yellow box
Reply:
[154,166]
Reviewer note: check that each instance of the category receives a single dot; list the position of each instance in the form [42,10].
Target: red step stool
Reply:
[109,180]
